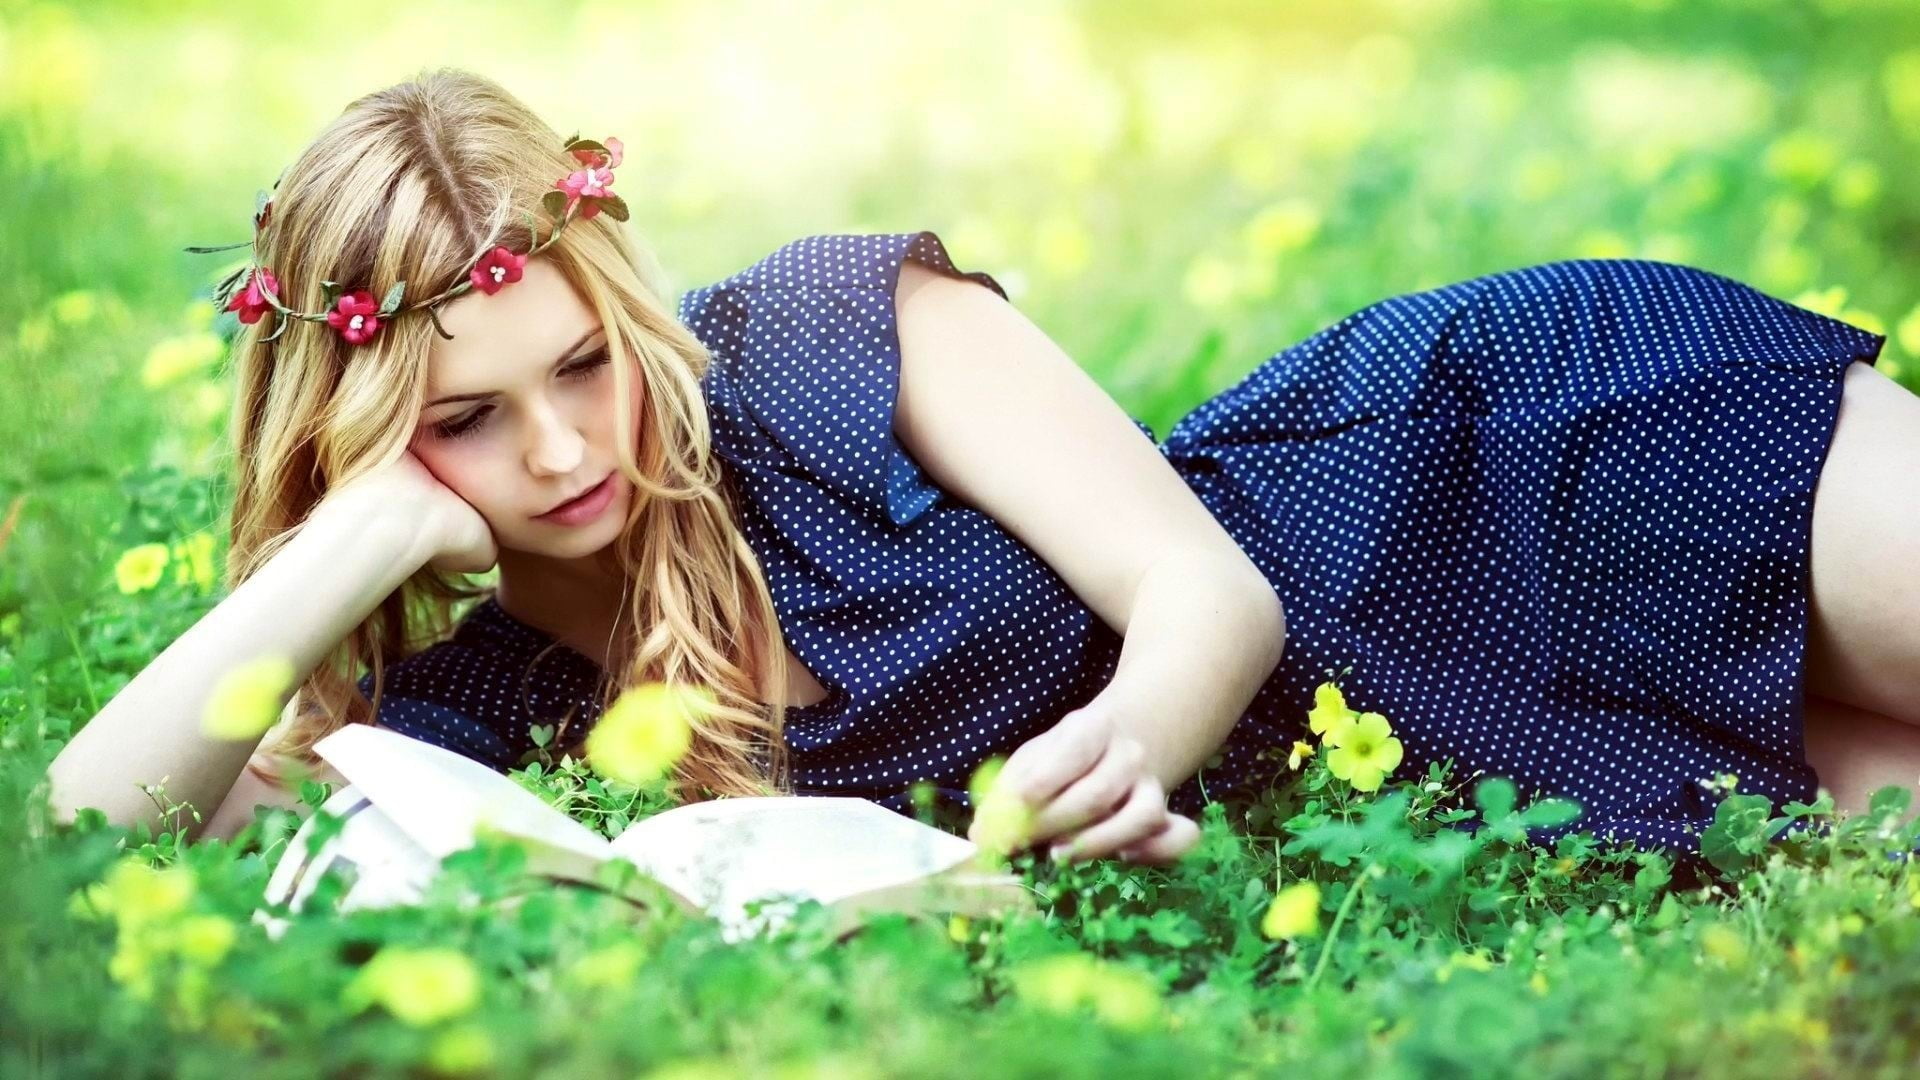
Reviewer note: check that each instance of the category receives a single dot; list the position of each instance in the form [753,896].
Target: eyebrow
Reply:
[564,357]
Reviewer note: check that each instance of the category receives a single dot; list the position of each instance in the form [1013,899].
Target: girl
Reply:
[1557,523]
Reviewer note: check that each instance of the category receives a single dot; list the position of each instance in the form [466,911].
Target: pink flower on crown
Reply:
[496,270]
[586,186]
[248,301]
[354,316]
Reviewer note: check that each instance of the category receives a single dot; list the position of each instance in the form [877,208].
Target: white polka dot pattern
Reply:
[1556,519]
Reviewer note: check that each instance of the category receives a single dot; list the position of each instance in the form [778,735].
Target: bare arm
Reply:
[351,554]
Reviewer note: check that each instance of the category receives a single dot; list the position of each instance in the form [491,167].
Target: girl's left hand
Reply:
[1084,781]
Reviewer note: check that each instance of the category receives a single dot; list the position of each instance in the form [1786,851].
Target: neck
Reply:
[578,601]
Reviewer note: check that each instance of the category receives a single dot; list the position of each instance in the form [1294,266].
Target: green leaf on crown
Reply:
[391,302]
[555,204]
[614,207]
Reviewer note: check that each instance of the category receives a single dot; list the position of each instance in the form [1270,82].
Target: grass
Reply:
[1175,192]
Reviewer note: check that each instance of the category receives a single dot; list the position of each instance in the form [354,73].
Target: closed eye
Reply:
[467,424]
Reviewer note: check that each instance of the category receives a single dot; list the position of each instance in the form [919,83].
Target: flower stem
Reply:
[1339,917]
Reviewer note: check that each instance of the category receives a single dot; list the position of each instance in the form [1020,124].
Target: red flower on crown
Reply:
[356,317]
[496,270]
[248,301]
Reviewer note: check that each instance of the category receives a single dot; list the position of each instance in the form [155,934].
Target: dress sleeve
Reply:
[807,364]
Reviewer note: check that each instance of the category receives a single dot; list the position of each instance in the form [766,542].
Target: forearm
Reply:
[299,605]
[1202,636]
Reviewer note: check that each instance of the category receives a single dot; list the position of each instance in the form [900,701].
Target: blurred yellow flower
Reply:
[645,732]
[1300,752]
[1286,225]
[74,307]
[1829,301]
[204,939]
[1804,158]
[1539,983]
[1062,245]
[1294,912]
[958,928]
[1470,961]
[1601,244]
[1723,945]
[1908,332]
[1856,185]
[1121,996]
[1364,752]
[199,314]
[418,985]
[1783,267]
[609,967]
[1901,77]
[463,1049]
[140,568]
[248,698]
[1209,282]
[1002,820]
[193,561]
[172,358]
[1540,175]
[35,332]
[135,892]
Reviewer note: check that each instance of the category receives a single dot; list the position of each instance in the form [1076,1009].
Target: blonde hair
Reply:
[413,183]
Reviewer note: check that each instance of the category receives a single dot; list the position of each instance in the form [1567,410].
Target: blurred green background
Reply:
[1174,191]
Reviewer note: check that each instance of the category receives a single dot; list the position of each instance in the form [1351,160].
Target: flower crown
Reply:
[253,290]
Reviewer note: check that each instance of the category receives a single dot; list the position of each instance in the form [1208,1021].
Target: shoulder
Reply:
[882,262]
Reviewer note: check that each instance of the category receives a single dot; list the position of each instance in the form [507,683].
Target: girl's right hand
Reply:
[459,538]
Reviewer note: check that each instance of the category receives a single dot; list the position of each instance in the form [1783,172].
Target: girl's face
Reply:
[520,414]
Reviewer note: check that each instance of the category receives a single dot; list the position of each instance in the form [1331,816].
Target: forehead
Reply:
[529,321]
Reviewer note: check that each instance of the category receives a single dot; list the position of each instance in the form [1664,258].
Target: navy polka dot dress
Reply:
[1553,522]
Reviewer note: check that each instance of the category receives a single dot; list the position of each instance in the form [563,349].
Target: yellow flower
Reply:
[1294,912]
[1364,752]
[174,358]
[75,307]
[611,967]
[1210,282]
[464,1049]
[1471,961]
[203,939]
[1286,225]
[193,561]
[1802,157]
[1002,820]
[135,892]
[1723,945]
[419,986]
[1062,244]
[1122,996]
[140,568]
[1329,710]
[645,732]
[1300,750]
[247,699]
[1855,185]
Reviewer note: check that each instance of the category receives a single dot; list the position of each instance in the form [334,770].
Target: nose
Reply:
[557,447]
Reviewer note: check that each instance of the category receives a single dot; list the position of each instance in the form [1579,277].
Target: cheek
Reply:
[463,470]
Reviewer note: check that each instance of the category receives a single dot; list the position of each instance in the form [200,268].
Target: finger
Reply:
[1045,764]
[1139,817]
[1174,840]
[1095,795]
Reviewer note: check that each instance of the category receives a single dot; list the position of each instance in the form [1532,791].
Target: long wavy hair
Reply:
[413,183]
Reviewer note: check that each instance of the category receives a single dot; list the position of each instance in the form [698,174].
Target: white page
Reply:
[725,852]
[438,797]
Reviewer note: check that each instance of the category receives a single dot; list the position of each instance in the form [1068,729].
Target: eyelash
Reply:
[468,424]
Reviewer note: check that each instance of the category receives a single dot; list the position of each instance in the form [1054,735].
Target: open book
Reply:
[409,804]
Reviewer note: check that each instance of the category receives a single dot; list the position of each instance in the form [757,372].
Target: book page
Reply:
[438,797]
[725,852]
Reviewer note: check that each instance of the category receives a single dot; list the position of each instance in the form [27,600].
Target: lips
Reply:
[575,498]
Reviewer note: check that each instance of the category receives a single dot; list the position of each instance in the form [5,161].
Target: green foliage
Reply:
[1199,186]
